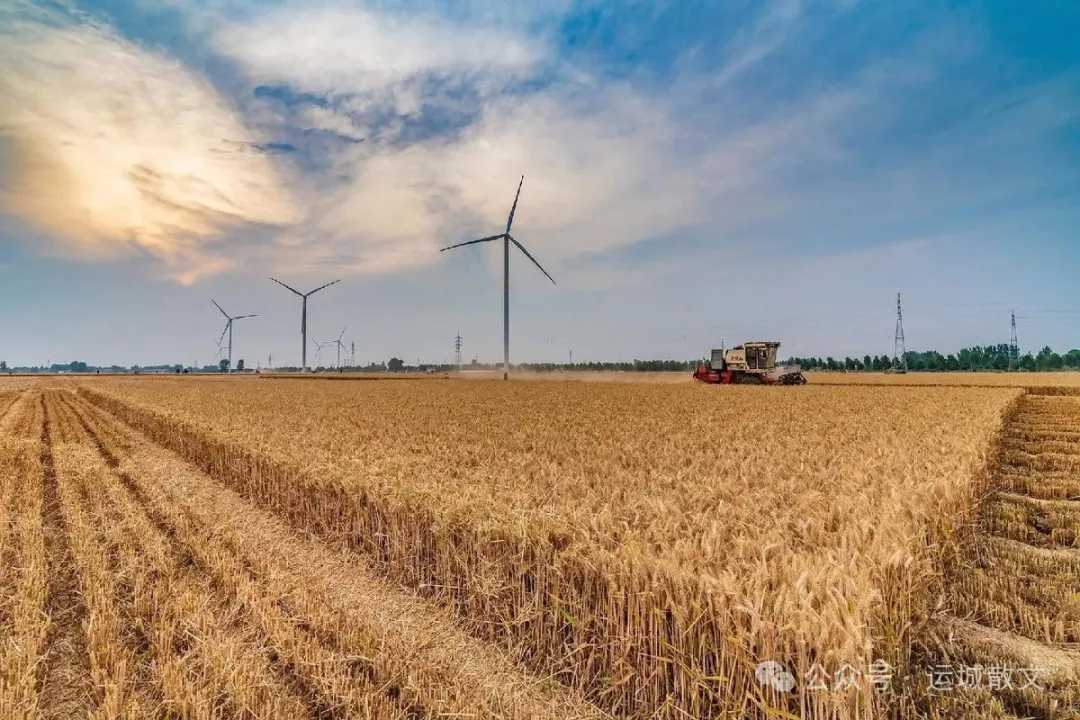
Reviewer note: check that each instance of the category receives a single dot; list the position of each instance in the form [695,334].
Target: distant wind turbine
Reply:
[340,347]
[319,345]
[229,328]
[507,238]
[303,316]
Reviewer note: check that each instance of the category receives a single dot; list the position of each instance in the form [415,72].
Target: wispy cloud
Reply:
[381,57]
[117,148]
[364,138]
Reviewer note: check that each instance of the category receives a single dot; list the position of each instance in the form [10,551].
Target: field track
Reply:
[1016,604]
[168,595]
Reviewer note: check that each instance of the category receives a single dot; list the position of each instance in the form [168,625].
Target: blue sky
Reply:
[693,170]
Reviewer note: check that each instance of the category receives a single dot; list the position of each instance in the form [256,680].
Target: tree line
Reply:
[985,357]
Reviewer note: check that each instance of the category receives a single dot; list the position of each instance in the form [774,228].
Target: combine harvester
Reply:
[752,363]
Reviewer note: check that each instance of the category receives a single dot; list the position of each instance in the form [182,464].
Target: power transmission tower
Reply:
[457,351]
[899,352]
[1014,344]
[352,354]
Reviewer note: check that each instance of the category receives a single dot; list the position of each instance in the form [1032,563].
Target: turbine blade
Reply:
[510,220]
[323,287]
[219,307]
[473,242]
[537,264]
[291,289]
[223,333]
[241,317]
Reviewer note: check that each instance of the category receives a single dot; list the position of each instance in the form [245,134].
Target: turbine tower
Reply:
[899,353]
[303,316]
[229,319]
[507,238]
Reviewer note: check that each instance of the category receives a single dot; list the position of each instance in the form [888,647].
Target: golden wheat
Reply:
[645,544]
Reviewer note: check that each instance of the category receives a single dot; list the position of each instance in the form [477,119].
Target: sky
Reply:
[693,172]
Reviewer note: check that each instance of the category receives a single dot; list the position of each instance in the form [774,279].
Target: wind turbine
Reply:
[228,328]
[507,238]
[340,347]
[319,345]
[303,316]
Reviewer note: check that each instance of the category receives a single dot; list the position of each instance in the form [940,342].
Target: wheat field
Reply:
[962,379]
[235,547]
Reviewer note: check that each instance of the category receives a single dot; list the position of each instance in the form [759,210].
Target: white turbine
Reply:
[229,328]
[507,238]
[303,316]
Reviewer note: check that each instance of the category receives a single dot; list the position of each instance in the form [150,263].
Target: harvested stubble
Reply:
[23,583]
[1015,601]
[647,544]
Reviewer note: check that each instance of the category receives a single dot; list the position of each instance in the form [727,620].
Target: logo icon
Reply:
[775,675]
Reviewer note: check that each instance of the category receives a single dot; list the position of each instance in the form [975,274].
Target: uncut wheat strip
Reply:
[298,502]
[340,680]
[414,646]
[335,684]
[332,686]
[210,662]
[205,662]
[23,622]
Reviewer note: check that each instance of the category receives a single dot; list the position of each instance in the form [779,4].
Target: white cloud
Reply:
[342,50]
[116,148]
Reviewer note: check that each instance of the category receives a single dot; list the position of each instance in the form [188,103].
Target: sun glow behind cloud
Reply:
[304,136]
[117,148]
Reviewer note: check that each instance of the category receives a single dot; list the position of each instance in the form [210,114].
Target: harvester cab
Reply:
[752,363]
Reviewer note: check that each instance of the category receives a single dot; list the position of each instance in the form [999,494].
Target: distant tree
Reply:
[1072,359]
[3,364]
[223,365]
[395,364]
[1027,362]
[240,365]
